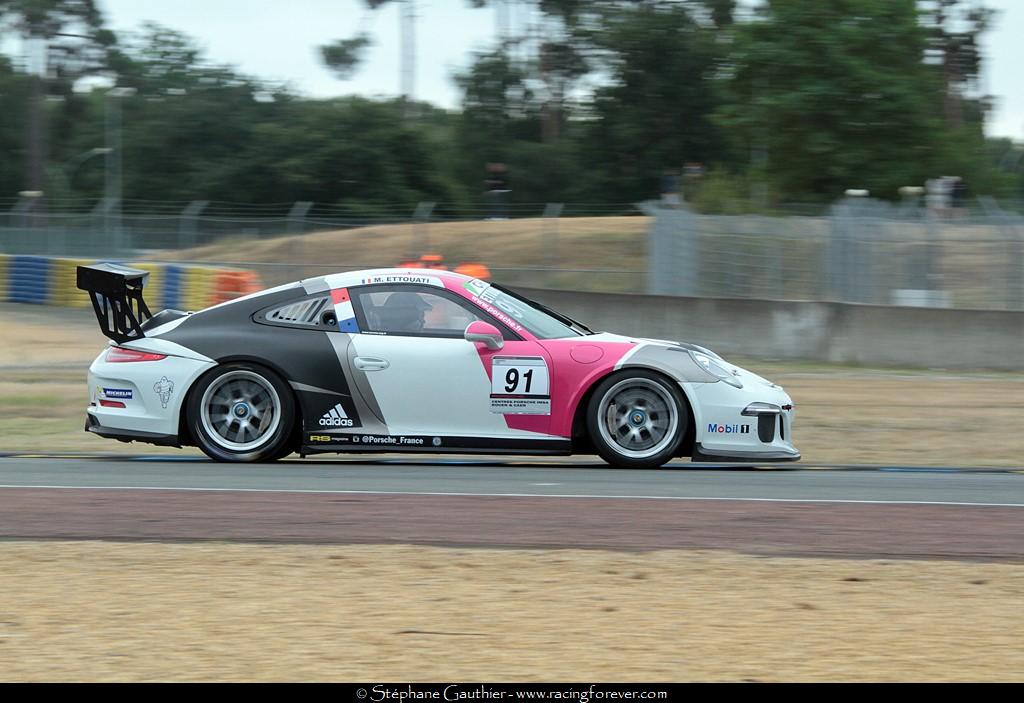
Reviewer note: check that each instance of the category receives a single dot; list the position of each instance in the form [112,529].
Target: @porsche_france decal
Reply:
[374,440]
[520,386]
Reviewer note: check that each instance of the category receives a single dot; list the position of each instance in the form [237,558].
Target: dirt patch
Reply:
[95,611]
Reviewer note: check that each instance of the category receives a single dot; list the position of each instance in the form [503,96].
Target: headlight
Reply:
[716,370]
[706,352]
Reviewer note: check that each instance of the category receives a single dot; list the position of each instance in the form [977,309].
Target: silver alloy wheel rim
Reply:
[638,418]
[240,411]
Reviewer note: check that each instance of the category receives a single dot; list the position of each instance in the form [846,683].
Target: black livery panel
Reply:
[305,358]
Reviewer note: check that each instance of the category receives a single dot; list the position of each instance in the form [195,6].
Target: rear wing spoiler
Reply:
[116,294]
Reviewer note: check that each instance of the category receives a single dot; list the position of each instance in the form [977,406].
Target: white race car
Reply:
[415,360]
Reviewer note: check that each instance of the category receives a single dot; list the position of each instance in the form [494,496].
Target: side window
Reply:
[411,311]
[314,312]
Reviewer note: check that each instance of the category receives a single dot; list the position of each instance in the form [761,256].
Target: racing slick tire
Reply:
[637,419]
[242,412]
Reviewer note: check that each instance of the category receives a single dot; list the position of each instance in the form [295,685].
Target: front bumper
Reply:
[749,424]
[700,453]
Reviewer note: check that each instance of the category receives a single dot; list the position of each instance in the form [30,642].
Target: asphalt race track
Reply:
[878,512]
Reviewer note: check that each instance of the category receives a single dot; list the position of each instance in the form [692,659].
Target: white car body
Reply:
[358,388]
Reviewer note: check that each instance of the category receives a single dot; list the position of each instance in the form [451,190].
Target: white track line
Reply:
[516,495]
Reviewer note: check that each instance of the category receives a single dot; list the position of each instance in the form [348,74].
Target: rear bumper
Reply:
[164,440]
[149,396]
[701,453]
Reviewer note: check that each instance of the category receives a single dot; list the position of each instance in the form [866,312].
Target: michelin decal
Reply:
[163,388]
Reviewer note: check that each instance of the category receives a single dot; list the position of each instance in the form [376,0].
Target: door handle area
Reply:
[370,363]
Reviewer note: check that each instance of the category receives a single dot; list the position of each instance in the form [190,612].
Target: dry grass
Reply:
[44,359]
[911,418]
[844,415]
[778,255]
[95,611]
[615,243]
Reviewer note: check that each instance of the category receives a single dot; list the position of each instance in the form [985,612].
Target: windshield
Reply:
[543,322]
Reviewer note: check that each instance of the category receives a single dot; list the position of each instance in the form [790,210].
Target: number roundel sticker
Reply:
[520,385]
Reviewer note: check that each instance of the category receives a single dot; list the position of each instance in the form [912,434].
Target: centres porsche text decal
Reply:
[520,386]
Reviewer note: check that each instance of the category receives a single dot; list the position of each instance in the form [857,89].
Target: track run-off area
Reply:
[878,511]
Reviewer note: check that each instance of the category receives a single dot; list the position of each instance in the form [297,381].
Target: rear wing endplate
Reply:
[116,294]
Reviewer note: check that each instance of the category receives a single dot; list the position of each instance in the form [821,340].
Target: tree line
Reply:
[793,102]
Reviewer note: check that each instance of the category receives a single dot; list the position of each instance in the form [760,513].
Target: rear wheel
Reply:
[242,412]
[637,419]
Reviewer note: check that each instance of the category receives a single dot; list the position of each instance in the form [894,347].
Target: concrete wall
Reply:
[833,332]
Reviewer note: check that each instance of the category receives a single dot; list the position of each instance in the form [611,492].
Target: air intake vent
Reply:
[303,312]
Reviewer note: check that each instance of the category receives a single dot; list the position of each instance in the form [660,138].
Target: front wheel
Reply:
[242,412]
[637,419]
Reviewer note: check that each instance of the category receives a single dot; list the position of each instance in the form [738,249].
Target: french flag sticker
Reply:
[343,309]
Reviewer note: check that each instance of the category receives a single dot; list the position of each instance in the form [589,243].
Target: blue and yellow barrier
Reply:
[198,288]
[173,274]
[29,279]
[52,281]
[3,275]
[154,285]
[63,290]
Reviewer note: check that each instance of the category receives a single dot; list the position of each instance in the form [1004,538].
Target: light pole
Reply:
[114,186]
[407,25]
[36,49]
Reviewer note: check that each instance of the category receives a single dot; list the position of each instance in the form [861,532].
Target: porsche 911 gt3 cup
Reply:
[421,360]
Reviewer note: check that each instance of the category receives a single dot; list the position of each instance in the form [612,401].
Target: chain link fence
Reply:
[859,250]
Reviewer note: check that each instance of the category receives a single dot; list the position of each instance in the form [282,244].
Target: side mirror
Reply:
[486,334]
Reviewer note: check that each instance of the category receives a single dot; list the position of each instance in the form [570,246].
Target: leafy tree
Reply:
[343,55]
[71,36]
[14,89]
[833,95]
[652,60]
[954,29]
[185,126]
[654,111]
[75,38]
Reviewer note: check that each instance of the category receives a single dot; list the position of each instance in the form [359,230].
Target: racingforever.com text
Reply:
[457,692]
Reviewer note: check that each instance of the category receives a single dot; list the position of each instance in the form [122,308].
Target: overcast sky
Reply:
[278,40]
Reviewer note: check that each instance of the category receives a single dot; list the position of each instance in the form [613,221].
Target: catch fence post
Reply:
[188,223]
[552,211]
[20,221]
[672,250]
[107,241]
[421,228]
[296,227]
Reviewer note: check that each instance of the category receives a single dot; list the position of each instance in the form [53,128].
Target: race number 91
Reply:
[519,375]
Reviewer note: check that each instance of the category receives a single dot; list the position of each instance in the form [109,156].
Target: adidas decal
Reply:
[336,417]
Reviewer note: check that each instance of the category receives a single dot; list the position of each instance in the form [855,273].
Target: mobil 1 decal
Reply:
[520,385]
